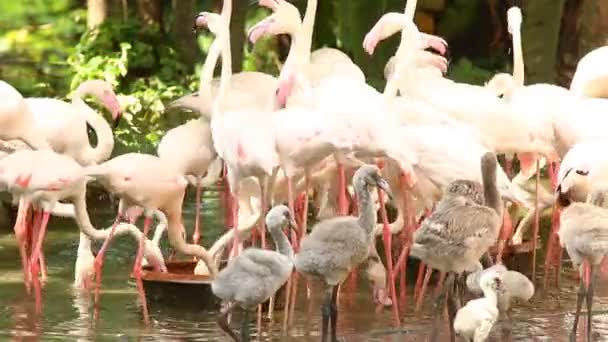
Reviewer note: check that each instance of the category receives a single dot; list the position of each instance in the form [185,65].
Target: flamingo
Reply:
[53,118]
[17,119]
[242,138]
[484,112]
[590,76]
[43,178]
[190,148]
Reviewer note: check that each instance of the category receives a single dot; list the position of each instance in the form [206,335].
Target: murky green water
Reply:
[67,315]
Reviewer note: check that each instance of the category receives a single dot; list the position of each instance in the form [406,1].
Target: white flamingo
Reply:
[591,76]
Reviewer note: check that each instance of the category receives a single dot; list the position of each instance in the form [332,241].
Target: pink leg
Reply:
[505,234]
[137,269]
[237,245]
[20,229]
[100,256]
[34,261]
[294,243]
[553,247]
[342,205]
[536,220]
[420,299]
[197,218]
[387,237]
[419,280]
[34,265]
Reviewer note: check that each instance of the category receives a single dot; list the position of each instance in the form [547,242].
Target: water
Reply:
[67,315]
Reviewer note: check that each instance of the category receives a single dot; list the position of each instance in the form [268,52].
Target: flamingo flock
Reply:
[426,142]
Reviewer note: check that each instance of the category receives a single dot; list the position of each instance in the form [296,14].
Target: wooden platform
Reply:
[179,287]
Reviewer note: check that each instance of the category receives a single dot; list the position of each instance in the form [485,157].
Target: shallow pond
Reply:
[67,315]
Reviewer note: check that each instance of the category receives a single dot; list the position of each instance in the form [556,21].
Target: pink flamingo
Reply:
[53,118]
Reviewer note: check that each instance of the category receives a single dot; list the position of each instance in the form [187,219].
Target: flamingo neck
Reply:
[367,211]
[308,23]
[410,9]
[224,37]
[281,241]
[204,88]
[518,59]
[105,138]
[490,296]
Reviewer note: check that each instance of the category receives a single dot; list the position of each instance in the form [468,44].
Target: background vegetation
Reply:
[147,50]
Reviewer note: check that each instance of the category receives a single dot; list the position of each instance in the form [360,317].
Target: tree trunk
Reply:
[185,39]
[237,34]
[97,11]
[150,12]
[541,32]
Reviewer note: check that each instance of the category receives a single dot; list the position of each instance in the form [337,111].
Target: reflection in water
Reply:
[67,314]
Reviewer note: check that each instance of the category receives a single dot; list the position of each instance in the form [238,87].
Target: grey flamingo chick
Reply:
[584,233]
[338,245]
[256,274]
[515,286]
[465,223]
[475,320]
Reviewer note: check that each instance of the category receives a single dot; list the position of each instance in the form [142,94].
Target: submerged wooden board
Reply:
[179,287]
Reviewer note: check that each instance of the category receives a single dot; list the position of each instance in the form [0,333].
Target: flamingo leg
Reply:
[137,268]
[197,217]
[427,277]
[101,254]
[580,296]
[20,229]
[387,237]
[342,203]
[536,221]
[505,234]
[236,241]
[34,260]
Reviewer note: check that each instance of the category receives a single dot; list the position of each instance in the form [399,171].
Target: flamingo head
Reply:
[391,23]
[514,19]
[575,186]
[209,20]
[104,93]
[284,20]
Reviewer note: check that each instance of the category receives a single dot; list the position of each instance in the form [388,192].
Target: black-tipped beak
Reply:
[117,120]
[200,22]
[382,184]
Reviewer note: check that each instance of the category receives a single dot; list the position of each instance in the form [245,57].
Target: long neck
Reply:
[224,37]
[83,221]
[518,59]
[308,23]
[105,138]
[410,9]
[490,190]
[204,88]
[490,295]
[84,244]
[367,210]
[280,240]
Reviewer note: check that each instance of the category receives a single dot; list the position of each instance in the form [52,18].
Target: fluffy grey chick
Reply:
[465,223]
[256,274]
[516,286]
[338,245]
[584,234]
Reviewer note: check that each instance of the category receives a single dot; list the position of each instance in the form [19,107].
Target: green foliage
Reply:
[144,71]
[33,51]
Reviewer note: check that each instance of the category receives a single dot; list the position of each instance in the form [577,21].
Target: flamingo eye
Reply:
[582,172]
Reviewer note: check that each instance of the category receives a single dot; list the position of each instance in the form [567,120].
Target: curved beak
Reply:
[259,29]
[382,184]
[111,103]
[200,22]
